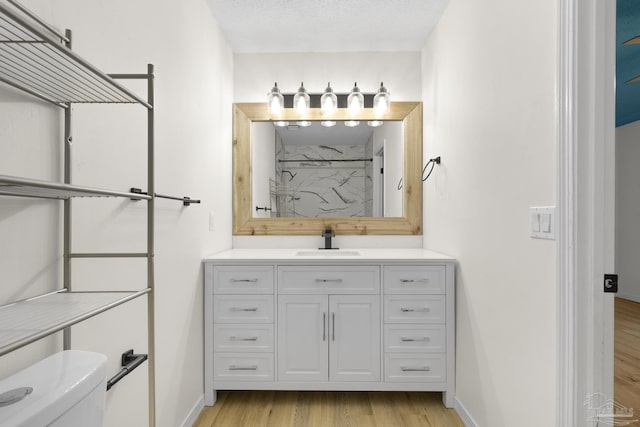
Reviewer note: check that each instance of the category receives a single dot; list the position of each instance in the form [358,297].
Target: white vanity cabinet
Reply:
[382,320]
[329,338]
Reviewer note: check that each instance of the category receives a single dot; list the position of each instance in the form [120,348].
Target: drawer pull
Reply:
[414,280]
[415,310]
[243,280]
[420,339]
[415,369]
[243,368]
[244,309]
[329,280]
[243,338]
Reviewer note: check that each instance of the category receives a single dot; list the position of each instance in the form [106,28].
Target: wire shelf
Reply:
[41,65]
[27,321]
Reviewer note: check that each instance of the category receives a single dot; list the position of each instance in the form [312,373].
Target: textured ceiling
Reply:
[627,62]
[253,26]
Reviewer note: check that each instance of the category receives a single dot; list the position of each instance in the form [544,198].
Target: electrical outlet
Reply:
[211,222]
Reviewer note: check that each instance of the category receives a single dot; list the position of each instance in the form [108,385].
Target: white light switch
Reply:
[542,222]
[212,224]
[535,221]
[545,222]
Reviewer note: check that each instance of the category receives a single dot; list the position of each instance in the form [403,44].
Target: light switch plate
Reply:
[542,222]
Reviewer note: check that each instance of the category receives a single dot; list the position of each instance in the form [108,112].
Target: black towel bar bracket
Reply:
[129,362]
[186,201]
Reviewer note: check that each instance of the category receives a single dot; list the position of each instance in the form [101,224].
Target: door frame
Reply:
[378,183]
[585,205]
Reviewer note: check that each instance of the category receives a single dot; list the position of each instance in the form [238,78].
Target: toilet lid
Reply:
[42,392]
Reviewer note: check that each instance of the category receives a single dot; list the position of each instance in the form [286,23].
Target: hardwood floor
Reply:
[627,354]
[328,409]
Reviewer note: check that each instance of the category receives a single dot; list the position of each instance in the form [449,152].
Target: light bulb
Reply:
[281,123]
[375,123]
[304,123]
[328,100]
[355,100]
[328,123]
[275,100]
[301,106]
[382,106]
[301,100]
[381,101]
[275,106]
[351,123]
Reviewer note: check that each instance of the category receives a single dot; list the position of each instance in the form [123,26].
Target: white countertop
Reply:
[313,254]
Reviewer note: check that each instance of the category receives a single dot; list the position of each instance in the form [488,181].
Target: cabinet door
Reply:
[354,349]
[302,338]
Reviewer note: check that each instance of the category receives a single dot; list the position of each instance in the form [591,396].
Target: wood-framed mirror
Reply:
[245,222]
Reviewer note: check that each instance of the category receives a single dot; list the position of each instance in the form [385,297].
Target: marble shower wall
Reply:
[314,186]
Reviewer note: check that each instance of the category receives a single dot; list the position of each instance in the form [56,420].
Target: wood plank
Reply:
[627,354]
[320,409]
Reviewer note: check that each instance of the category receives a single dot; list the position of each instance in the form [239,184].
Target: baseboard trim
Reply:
[194,413]
[463,414]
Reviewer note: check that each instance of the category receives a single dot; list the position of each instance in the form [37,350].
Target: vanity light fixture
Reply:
[301,100]
[281,123]
[275,100]
[328,123]
[355,100]
[375,123]
[328,100]
[304,123]
[381,100]
[351,123]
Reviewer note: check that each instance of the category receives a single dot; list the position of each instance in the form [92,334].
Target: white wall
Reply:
[193,77]
[489,94]
[628,210]
[254,75]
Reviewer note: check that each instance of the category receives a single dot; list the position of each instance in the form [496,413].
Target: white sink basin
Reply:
[328,253]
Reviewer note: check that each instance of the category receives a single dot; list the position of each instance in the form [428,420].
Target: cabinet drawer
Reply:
[414,338]
[414,367]
[329,279]
[243,367]
[414,279]
[414,309]
[246,279]
[243,309]
[243,338]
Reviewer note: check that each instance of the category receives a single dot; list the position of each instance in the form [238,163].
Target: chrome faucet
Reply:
[328,234]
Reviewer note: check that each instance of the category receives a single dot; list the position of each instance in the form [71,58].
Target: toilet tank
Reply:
[64,390]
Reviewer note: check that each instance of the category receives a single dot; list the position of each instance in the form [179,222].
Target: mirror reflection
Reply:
[311,170]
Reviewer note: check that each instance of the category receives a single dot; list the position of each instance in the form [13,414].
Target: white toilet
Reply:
[67,389]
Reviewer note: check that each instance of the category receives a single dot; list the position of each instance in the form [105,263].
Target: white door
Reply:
[354,347]
[302,338]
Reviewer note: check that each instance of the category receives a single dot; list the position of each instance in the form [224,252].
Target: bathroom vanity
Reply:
[360,320]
